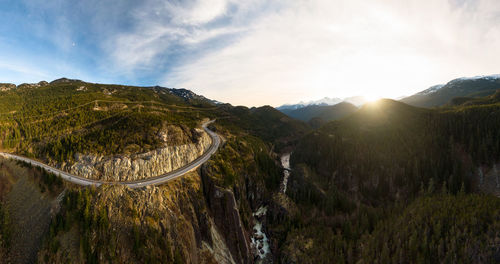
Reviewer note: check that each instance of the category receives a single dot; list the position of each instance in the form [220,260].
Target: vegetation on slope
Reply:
[352,175]
[57,120]
[456,88]
[266,123]
[243,167]
[5,231]
[27,198]
[438,228]
[113,224]
[355,182]
[324,112]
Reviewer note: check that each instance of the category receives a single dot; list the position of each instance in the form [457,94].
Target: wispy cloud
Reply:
[163,31]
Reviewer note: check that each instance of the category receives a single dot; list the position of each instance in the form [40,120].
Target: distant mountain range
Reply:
[323,110]
[454,92]
[355,100]
[324,113]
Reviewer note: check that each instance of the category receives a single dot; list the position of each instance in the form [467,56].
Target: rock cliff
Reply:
[225,212]
[137,166]
[165,224]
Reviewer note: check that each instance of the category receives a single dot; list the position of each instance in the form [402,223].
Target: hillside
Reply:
[324,112]
[264,122]
[206,216]
[84,117]
[470,101]
[353,182]
[354,174]
[463,87]
[438,241]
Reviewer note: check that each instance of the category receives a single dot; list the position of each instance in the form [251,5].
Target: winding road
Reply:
[131,184]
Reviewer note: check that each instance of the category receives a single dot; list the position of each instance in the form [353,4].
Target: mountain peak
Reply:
[439,95]
[64,80]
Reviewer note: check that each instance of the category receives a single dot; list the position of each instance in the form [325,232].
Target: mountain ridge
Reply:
[439,95]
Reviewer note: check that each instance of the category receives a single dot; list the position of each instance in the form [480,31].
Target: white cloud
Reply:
[312,49]
[196,12]
[160,27]
[130,51]
[256,52]
[287,51]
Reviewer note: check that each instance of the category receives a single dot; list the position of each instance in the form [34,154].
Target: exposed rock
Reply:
[33,85]
[7,87]
[168,220]
[224,208]
[488,179]
[140,166]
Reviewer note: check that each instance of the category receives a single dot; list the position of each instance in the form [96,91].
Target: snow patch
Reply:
[431,90]
[480,77]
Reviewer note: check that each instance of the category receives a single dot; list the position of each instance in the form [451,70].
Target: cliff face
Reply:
[225,211]
[140,166]
[165,224]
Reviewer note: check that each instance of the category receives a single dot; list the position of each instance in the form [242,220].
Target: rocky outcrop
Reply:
[32,85]
[225,213]
[488,179]
[155,224]
[7,87]
[138,166]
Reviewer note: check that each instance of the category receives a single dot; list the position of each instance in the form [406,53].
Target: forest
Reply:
[380,186]
[390,183]
[57,120]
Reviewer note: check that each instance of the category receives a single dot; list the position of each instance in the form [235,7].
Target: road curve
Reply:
[131,184]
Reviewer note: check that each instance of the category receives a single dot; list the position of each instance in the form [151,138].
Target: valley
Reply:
[159,175]
[250,132]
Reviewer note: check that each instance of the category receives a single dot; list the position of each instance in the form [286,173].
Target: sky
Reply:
[253,52]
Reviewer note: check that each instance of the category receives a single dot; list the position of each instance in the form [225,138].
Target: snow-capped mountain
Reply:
[302,104]
[355,100]
[431,90]
[438,95]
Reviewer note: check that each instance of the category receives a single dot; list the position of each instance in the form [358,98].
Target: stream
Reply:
[259,239]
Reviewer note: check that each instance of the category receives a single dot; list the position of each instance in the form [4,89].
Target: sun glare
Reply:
[371,98]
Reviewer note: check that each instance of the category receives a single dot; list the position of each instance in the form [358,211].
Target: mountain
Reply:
[387,183]
[439,95]
[355,100]
[54,121]
[113,132]
[320,111]
[323,101]
[323,112]
[395,172]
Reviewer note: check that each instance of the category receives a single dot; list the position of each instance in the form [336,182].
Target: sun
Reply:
[371,98]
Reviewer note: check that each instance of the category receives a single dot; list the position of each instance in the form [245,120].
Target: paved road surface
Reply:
[132,184]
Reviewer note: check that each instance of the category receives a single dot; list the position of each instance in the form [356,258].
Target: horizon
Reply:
[255,52]
[363,99]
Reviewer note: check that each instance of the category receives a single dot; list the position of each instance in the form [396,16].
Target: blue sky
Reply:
[252,52]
